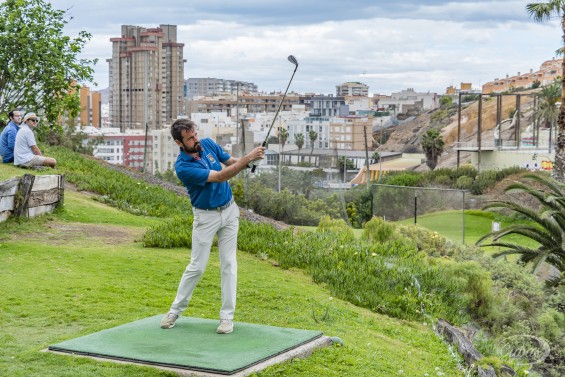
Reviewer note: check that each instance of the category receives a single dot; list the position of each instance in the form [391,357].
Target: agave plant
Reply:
[545,225]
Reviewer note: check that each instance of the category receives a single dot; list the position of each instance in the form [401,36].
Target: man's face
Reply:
[17,117]
[190,142]
[32,122]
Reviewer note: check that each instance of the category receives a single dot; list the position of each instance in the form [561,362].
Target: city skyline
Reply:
[388,46]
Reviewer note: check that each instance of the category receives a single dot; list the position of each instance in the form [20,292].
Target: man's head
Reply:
[15,116]
[31,120]
[184,134]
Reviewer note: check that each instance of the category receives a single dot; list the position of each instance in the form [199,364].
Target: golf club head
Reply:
[293,60]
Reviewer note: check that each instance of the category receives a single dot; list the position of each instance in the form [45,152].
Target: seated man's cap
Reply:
[30,115]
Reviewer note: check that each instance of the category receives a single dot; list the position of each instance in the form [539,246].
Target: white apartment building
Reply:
[111,149]
[214,124]
[352,89]
[165,150]
[409,99]
[303,125]
[358,103]
[208,86]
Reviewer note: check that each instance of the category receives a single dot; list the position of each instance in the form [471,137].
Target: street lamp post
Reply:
[380,154]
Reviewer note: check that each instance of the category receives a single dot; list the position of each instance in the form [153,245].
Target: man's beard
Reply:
[197,147]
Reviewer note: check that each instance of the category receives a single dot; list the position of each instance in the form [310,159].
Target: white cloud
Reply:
[388,45]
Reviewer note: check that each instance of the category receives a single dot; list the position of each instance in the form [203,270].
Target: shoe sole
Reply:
[167,327]
[224,332]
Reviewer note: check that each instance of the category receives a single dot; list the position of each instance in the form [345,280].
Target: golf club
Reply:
[293,60]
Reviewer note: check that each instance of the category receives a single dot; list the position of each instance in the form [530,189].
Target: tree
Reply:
[376,156]
[542,12]
[299,141]
[313,135]
[283,137]
[445,102]
[546,225]
[39,68]
[433,144]
[548,111]
[344,164]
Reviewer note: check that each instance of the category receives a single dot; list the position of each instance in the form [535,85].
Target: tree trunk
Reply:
[559,164]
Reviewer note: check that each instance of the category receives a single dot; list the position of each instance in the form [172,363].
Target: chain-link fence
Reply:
[396,203]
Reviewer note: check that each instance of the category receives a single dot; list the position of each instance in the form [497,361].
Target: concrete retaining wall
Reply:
[31,195]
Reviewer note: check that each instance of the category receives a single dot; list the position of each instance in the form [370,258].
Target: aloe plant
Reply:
[545,226]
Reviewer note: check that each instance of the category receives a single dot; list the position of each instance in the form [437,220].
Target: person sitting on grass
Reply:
[26,152]
[8,136]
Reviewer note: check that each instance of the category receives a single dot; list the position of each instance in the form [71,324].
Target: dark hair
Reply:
[179,125]
[11,113]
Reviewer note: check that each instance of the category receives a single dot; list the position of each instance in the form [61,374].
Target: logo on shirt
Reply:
[211,158]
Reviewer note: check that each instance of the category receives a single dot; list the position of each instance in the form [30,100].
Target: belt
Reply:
[220,208]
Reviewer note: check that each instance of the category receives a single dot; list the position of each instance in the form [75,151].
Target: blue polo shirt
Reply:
[8,141]
[193,173]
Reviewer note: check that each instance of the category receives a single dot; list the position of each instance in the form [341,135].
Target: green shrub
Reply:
[174,233]
[463,182]
[338,226]
[443,180]
[378,230]
[404,179]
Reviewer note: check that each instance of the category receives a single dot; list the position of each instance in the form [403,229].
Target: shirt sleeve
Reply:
[223,156]
[193,175]
[12,140]
[30,139]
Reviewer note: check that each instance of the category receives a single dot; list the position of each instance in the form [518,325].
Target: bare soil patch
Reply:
[59,232]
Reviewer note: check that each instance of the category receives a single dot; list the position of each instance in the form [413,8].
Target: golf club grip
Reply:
[255,166]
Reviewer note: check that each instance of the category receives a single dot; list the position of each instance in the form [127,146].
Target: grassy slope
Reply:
[81,271]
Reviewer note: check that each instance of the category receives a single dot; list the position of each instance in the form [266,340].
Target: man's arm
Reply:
[36,150]
[235,165]
[11,140]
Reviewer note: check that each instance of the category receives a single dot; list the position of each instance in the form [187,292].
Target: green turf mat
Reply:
[191,344]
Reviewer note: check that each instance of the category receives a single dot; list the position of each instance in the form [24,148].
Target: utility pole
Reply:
[237,115]
[145,148]
[145,105]
[367,159]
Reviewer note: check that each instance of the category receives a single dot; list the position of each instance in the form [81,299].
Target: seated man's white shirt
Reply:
[25,139]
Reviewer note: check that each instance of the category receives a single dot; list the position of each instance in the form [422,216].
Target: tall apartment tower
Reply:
[352,89]
[90,107]
[146,78]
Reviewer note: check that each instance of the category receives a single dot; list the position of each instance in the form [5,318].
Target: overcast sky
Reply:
[389,45]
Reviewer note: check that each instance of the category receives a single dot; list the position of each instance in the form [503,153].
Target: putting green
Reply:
[192,344]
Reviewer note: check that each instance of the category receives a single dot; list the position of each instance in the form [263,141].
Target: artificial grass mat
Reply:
[192,344]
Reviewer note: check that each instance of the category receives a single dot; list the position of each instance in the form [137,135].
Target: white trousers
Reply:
[208,223]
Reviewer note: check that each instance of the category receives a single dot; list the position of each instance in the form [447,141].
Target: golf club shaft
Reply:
[276,114]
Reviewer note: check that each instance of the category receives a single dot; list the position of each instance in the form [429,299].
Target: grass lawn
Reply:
[82,270]
[450,225]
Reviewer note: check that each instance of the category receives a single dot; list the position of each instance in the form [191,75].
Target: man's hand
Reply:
[255,156]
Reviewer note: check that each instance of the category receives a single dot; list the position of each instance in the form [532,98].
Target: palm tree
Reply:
[299,141]
[313,136]
[283,137]
[433,144]
[546,225]
[542,12]
[548,111]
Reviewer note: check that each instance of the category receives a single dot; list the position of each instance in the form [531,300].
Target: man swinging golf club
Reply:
[199,168]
